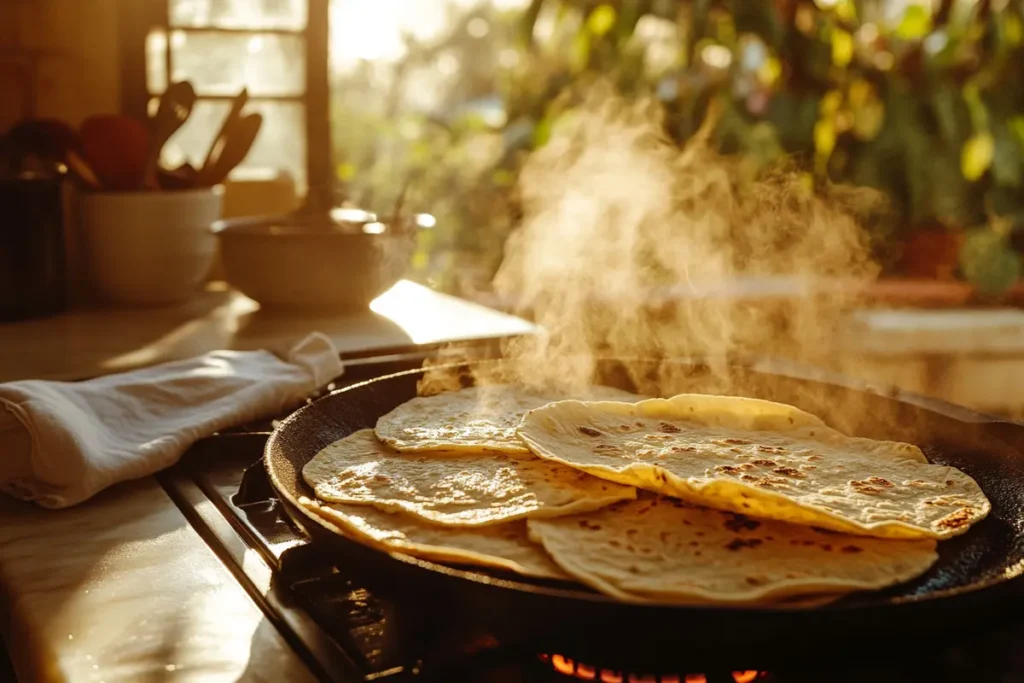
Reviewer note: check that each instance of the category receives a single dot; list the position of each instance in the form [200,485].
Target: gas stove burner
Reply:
[573,670]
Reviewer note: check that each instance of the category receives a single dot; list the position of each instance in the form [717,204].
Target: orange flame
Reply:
[587,672]
[563,665]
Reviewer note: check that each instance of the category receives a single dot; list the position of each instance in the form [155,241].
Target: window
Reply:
[278,49]
[222,46]
[377,102]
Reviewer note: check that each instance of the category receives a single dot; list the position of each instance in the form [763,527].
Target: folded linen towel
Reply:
[62,442]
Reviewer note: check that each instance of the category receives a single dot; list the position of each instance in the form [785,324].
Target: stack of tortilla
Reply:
[687,500]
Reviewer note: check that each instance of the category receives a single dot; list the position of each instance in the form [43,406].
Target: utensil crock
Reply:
[149,248]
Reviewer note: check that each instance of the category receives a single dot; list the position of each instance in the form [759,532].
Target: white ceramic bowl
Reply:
[302,263]
[149,248]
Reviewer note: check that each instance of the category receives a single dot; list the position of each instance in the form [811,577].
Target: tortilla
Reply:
[475,418]
[454,488]
[759,458]
[666,550]
[501,546]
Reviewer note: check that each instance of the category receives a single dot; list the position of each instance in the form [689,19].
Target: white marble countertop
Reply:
[122,589]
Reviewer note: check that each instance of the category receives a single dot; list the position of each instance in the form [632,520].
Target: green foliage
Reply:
[987,260]
[916,23]
[927,106]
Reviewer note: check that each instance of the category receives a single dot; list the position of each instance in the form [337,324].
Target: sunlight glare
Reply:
[716,56]
[373,31]
[405,304]
[478,28]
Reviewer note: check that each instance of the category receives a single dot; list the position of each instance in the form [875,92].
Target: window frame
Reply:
[139,18]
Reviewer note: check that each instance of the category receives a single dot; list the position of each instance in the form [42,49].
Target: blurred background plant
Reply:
[922,100]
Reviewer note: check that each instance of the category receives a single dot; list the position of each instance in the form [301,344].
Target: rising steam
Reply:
[627,240]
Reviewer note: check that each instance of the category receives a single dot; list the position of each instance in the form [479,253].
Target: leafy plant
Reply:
[927,106]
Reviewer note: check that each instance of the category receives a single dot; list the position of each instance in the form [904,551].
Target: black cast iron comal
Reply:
[976,581]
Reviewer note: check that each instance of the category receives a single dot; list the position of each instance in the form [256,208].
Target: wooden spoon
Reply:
[181,178]
[217,146]
[175,107]
[237,143]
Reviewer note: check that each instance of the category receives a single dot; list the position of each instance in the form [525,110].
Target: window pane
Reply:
[276,14]
[156,61]
[221,64]
[281,143]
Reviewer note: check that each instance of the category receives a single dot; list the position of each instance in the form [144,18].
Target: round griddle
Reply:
[975,581]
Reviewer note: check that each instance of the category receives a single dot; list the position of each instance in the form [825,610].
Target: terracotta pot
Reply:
[931,253]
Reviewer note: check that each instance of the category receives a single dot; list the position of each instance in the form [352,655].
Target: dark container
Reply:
[33,261]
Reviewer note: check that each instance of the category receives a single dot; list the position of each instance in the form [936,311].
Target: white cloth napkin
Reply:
[62,442]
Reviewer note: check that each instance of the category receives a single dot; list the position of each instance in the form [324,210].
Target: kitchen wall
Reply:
[58,58]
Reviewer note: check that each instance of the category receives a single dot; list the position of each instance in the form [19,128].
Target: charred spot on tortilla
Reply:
[864,487]
[788,472]
[737,523]
[740,543]
[956,520]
